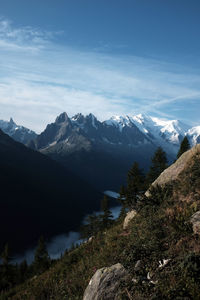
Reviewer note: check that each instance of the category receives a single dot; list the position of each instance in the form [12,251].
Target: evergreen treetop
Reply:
[42,259]
[5,255]
[184,146]
[158,165]
[135,184]
[107,215]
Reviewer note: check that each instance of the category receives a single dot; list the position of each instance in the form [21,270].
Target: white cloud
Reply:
[39,79]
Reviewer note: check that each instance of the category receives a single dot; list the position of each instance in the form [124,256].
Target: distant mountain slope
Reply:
[18,133]
[38,196]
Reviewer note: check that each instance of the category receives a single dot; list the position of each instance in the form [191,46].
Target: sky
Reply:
[104,57]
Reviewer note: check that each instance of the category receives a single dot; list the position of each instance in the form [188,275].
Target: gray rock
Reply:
[138,265]
[195,220]
[105,283]
[129,216]
[173,172]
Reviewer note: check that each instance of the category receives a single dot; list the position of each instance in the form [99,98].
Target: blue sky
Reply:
[101,56]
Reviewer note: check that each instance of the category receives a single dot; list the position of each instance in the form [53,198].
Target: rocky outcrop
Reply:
[129,216]
[195,220]
[172,173]
[105,284]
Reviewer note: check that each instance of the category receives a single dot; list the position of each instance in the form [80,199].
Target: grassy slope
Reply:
[161,230]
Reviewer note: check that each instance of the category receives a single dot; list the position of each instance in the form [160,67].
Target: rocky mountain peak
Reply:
[17,132]
[78,118]
[62,118]
[12,122]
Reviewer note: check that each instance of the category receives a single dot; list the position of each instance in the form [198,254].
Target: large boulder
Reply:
[105,283]
[195,220]
[173,172]
[129,216]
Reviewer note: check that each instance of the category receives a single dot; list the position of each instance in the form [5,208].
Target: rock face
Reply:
[172,173]
[195,220]
[105,284]
[129,216]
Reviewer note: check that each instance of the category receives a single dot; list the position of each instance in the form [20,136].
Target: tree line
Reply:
[137,182]
[12,274]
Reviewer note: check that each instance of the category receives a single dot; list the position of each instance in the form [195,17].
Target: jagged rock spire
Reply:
[62,118]
[11,121]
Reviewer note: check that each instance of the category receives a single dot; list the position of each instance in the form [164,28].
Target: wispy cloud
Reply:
[40,78]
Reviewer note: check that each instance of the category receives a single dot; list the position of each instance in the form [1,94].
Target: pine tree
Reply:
[185,145]
[135,184]
[5,255]
[159,164]
[122,214]
[7,271]
[42,259]
[107,216]
[122,194]
[91,226]
[23,270]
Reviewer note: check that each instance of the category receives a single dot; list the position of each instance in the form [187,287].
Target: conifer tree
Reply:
[135,184]
[159,164]
[107,216]
[91,226]
[23,270]
[7,271]
[42,259]
[5,255]
[122,214]
[122,194]
[185,145]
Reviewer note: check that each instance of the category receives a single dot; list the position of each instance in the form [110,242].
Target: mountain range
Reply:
[102,152]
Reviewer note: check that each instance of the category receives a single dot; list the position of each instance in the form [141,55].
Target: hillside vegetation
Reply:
[159,249]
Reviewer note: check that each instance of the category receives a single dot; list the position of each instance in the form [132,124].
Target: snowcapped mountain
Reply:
[171,131]
[102,152]
[165,133]
[87,132]
[193,135]
[18,133]
[123,133]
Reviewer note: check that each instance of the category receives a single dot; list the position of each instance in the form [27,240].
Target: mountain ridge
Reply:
[17,132]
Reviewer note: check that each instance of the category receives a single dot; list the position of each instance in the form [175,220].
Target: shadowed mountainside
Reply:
[38,196]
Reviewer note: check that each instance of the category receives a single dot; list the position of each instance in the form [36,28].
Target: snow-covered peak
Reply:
[119,122]
[194,135]
[141,118]
[80,120]
[168,130]
[171,125]
[194,130]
